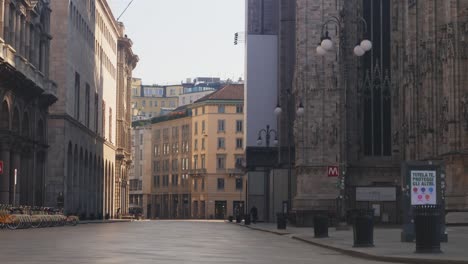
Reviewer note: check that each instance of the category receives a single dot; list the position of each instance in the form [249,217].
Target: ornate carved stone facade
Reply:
[126,62]
[26,92]
[406,99]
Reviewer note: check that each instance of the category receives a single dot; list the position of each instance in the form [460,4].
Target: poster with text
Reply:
[423,187]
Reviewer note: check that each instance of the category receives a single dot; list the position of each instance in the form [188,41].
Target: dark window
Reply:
[239,184]
[96,112]
[221,109]
[110,124]
[175,180]
[239,126]
[221,162]
[220,184]
[239,144]
[377,80]
[77,96]
[87,103]
[221,125]
[221,143]
[103,127]
[239,109]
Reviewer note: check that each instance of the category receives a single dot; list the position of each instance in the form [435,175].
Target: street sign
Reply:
[333,171]
[423,187]
[1,166]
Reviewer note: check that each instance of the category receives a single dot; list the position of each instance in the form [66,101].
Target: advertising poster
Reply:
[423,187]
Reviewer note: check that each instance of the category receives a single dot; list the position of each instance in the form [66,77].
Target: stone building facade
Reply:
[140,177]
[404,100]
[170,156]
[126,62]
[83,123]
[26,92]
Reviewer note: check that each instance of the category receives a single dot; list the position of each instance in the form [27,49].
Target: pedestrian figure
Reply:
[254,213]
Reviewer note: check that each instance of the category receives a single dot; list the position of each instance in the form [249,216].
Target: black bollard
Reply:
[363,229]
[320,226]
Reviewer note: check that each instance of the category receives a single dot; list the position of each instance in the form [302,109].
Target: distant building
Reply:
[196,153]
[140,172]
[171,163]
[149,101]
[218,187]
[190,97]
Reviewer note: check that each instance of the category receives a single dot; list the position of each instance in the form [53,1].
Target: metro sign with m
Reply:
[333,171]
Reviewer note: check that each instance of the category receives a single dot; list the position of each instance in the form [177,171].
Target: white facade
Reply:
[261,82]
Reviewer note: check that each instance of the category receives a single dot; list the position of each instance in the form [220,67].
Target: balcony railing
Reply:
[197,172]
[235,172]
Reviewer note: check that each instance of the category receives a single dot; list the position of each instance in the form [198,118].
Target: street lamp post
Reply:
[326,44]
[299,112]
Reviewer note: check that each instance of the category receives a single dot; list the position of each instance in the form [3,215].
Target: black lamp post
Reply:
[299,112]
[326,44]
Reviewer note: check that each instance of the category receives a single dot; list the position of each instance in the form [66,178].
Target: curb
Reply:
[367,256]
[267,231]
[103,222]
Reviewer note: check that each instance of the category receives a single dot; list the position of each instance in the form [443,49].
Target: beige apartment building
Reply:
[171,165]
[140,172]
[82,124]
[218,187]
[153,100]
[195,150]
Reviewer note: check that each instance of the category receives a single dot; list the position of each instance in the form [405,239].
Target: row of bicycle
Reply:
[33,217]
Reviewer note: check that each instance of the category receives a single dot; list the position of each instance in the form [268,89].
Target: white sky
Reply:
[179,39]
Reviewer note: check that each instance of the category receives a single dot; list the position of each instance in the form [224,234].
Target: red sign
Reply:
[333,171]
[1,166]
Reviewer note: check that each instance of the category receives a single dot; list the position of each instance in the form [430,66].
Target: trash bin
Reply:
[320,226]
[247,219]
[281,221]
[427,228]
[238,219]
[363,228]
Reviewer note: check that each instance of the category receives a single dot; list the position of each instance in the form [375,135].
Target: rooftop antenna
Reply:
[125,9]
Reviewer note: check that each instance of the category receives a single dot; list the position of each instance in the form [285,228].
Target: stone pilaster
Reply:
[5,177]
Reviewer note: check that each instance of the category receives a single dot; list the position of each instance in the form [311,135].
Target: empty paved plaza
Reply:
[159,242]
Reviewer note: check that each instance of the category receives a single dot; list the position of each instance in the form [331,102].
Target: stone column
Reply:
[25,177]
[15,164]
[5,177]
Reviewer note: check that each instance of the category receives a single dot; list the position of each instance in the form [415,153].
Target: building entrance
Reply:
[220,209]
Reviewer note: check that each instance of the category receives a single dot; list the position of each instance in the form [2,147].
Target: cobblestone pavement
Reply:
[159,242]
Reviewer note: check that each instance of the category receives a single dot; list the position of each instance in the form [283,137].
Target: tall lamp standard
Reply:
[326,44]
[268,134]
[299,112]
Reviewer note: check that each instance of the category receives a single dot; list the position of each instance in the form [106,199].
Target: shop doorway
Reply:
[220,209]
